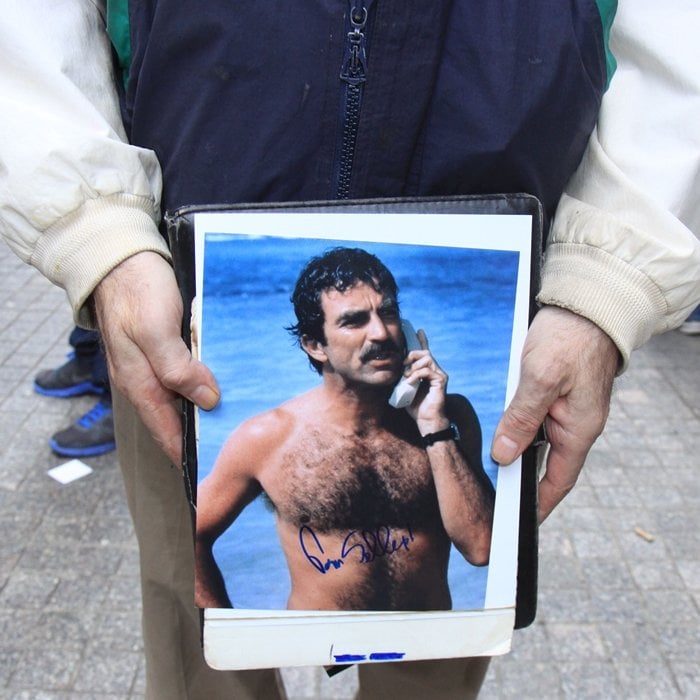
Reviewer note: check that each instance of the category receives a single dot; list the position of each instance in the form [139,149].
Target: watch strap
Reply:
[449,433]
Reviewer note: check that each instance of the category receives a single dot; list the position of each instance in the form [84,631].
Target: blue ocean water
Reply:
[463,298]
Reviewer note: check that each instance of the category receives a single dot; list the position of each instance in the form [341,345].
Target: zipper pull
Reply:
[354,71]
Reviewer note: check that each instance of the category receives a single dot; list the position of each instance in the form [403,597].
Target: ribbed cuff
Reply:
[80,250]
[619,299]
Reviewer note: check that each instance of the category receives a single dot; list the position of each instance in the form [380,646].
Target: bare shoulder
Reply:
[262,431]
[257,439]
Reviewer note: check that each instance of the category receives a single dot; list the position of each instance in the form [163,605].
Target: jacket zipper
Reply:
[353,74]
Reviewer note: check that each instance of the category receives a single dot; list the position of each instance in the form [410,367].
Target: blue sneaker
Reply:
[70,379]
[90,435]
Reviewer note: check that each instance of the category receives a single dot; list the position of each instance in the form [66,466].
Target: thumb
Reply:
[178,371]
[521,421]
[199,385]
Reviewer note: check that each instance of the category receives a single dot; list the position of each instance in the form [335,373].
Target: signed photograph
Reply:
[346,468]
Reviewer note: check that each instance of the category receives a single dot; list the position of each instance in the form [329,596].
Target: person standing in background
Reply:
[85,372]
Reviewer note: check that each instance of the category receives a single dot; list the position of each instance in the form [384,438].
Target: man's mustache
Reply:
[378,351]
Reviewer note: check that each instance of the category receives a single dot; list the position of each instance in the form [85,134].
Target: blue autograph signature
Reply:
[366,545]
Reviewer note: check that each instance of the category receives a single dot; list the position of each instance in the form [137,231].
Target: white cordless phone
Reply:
[404,393]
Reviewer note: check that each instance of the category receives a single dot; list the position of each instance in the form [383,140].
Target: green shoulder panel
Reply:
[119,34]
[607,10]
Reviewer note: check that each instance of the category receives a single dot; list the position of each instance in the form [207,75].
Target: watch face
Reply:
[455,432]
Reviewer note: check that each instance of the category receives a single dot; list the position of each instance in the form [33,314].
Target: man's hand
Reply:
[567,371]
[139,312]
[428,408]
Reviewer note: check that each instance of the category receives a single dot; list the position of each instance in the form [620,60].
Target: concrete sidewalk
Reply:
[619,612]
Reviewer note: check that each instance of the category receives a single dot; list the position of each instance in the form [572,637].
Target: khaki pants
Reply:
[175,668]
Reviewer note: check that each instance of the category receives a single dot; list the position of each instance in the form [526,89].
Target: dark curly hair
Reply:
[337,268]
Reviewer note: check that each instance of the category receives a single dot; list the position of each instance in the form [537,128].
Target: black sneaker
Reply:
[70,379]
[91,435]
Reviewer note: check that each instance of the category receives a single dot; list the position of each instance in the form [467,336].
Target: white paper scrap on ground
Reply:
[70,471]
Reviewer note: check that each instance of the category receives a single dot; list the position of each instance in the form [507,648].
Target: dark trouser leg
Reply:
[89,353]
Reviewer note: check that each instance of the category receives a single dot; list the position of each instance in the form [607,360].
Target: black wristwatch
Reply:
[449,433]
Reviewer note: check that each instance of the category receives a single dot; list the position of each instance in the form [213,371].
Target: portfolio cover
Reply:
[323,544]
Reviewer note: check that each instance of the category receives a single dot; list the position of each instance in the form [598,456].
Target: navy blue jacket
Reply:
[277,101]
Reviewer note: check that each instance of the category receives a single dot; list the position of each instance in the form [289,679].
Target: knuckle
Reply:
[545,377]
[172,377]
[522,420]
[176,373]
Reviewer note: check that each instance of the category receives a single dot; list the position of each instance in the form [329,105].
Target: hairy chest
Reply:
[347,483]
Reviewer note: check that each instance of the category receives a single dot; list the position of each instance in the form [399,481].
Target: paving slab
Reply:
[619,598]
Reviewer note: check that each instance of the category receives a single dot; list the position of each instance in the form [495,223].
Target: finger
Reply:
[163,419]
[159,408]
[430,373]
[177,370]
[421,359]
[573,426]
[551,491]
[522,419]
[562,470]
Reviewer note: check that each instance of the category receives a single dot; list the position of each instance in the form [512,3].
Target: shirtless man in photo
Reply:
[367,498]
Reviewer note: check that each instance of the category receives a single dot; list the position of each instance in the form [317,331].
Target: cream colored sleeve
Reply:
[75,198]
[623,250]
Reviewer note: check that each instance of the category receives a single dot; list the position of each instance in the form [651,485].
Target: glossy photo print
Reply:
[346,471]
